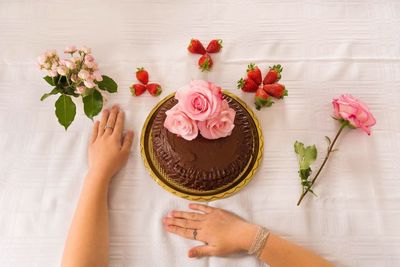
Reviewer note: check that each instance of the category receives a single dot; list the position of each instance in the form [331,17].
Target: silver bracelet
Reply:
[259,242]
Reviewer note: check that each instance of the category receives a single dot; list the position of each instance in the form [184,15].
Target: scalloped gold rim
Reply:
[213,197]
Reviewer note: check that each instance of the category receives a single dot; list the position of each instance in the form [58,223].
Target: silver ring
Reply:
[108,126]
[194,234]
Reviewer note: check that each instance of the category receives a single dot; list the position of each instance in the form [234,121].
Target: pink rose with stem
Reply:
[348,108]
[349,111]
[179,123]
[220,125]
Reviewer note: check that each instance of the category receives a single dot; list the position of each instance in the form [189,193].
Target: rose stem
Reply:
[344,124]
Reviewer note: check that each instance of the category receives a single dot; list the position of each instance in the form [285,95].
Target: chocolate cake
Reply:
[203,164]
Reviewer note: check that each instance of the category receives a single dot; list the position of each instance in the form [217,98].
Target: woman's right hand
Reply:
[222,232]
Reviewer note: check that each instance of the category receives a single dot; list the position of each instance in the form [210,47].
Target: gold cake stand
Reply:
[161,178]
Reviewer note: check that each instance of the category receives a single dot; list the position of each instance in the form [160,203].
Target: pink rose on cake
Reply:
[220,125]
[179,123]
[200,100]
[200,107]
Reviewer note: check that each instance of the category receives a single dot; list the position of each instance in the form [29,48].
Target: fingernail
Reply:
[192,254]
[164,220]
[171,214]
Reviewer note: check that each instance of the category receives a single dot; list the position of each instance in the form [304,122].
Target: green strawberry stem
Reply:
[330,150]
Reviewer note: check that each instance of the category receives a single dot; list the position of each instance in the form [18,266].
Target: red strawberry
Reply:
[273,75]
[254,73]
[196,47]
[154,89]
[276,90]
[137,89]
[142,75]
[214,46]
[262,99]
[205,62]
[247,85]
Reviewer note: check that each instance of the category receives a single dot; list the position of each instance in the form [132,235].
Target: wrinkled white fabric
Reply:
[326,48]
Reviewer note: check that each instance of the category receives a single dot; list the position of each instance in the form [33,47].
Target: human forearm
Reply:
[279,252]
[87,243]
[108,151]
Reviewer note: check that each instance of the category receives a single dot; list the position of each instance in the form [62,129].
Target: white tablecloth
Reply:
[326,48]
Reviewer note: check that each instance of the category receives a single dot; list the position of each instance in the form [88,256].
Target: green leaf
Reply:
[299,148]
[310,155]
[92,104]
[108,84]
[53,92]
[65,110]
[304,174]
[50,80]
[305,155]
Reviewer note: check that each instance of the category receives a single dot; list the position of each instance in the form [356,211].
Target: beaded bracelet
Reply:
[259,242]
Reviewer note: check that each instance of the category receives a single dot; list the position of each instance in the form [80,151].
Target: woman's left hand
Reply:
[108,147]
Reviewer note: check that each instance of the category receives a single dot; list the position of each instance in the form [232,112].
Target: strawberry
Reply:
[247,85]
[276,90]
[142,75]
[137,89]
[196,47]
[254,73]
[154,89]
[273,75]
[205,62]
[262,99]
[214,46]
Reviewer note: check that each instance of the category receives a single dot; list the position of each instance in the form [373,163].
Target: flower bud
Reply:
[62,70]
[70,49]
[97,76]
[70,65]
[80,90]
[52,73]
[89,83]
[84,74]
[85,50]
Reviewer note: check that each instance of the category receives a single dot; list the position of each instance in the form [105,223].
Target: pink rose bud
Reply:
[74,78]
[97,76]
[70,49]
[83,74]
[220,125]
[200,100]
[80,90]
[46,66]
[42,59]
[95,66]
[85,50]
[89,64]
[62,70]
[350,109]
[89,58]
[89,83]
[70,65]
[179,123]
[52,73]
